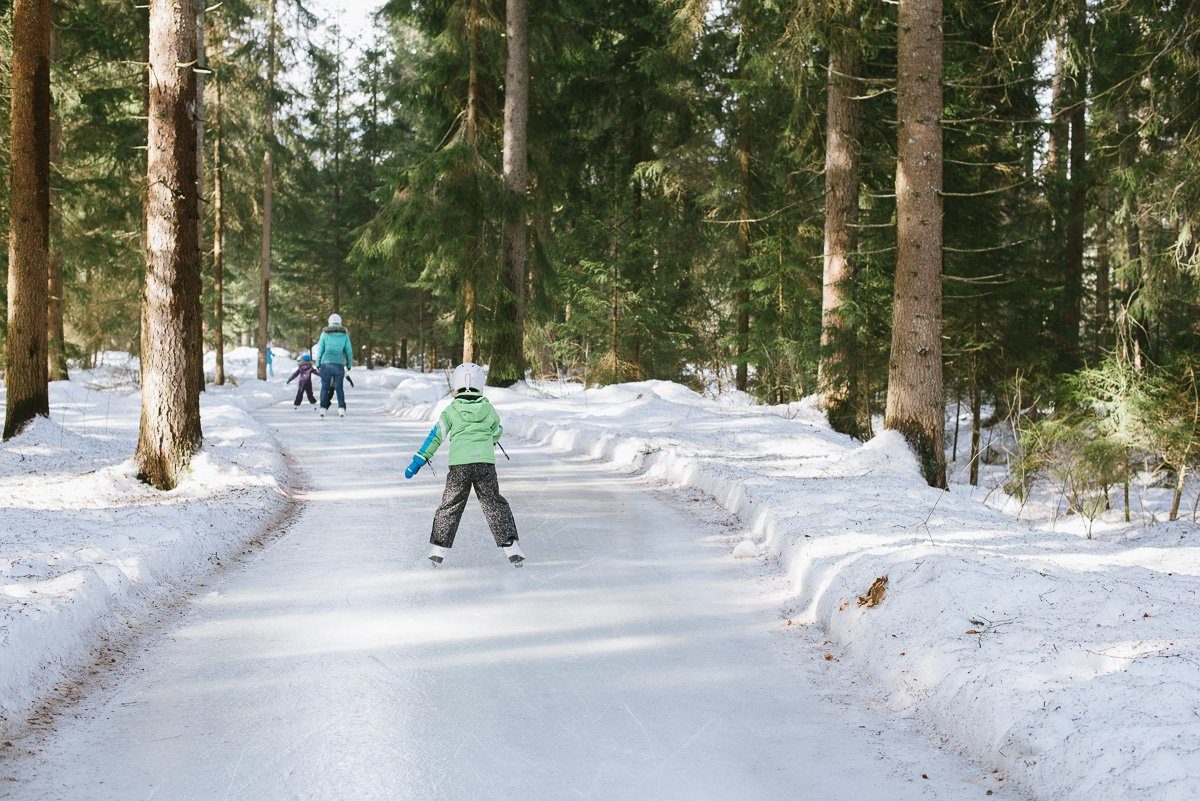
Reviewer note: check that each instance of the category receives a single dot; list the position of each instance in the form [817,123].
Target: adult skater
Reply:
[334,360]
[304,370]
[473,428]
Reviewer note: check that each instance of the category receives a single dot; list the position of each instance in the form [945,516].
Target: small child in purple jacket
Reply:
[305,370]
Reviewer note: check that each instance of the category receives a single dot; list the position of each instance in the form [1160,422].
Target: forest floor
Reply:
[632,658]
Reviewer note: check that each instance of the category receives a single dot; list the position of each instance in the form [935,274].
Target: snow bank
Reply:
[1071,665]
[87,551]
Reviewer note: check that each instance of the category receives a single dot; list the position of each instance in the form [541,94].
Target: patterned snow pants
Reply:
[459,482]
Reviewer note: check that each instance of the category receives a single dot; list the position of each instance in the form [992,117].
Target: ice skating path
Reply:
[633,658]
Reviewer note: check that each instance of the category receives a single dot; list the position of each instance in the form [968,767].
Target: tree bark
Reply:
[170,421]
[1057,142]
[742,253]
[218,245]
[468,338]
[56,341]
[264,291]
[339,255]
[1072,295]
[838,371]
[29,217]
[197,355]
[914,401]
[508,356]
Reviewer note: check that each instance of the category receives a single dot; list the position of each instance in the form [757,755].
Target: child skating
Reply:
[473,428]
[305,371]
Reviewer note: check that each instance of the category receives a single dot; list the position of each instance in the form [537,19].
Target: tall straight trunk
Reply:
[508,356]
[403,352]
[742,298]
[1103,284]
[468,338]
[29,217]
[218,201]
[1056,145]
[975,393]
[56,341]
[914,400]
[472,139]
[170,422]
[264,290]
[197,355]
[336,270]
[1072,294]
[839,369]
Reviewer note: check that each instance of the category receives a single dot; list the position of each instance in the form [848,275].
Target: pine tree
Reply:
[508,356]
[845,399]
[29,218]
[914,402]
[170,431]
[268,173]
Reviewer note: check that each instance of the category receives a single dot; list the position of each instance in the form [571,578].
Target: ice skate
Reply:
[436,554]
[515,556]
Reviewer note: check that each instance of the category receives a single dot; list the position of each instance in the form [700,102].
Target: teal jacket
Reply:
[334,347]
[473,428]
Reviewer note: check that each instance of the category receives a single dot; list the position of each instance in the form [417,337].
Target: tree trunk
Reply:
[218,246]
[264,291]
[914,400]
[1103,285]
[838,372]
[56,344]
[1180,480]
[1072,295]
[1057,143]
[508,357]
[404,352]
[197,355]
[170,421]
[468,338]
[29,217]
[336,267]
[742,297]
[975,421]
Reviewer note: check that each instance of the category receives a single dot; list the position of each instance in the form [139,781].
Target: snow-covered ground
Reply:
[1072,665]
[629,660]
[88,552]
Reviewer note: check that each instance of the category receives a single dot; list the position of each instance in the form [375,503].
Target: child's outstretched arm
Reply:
[294,375]
[497,429]
[428,448]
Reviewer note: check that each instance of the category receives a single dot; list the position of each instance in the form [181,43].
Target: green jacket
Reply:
[473,428]
[334,347]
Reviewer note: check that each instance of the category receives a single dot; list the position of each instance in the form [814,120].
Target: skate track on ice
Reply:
[632,659]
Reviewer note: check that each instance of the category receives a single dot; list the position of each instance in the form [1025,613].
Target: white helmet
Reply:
[335,319]
[467,376]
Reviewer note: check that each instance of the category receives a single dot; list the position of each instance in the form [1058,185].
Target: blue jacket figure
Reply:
[305,372]
[335,357]
[270,362]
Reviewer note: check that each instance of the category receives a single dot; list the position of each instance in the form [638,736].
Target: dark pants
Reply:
[305,387]
[332,376]
[461,479]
